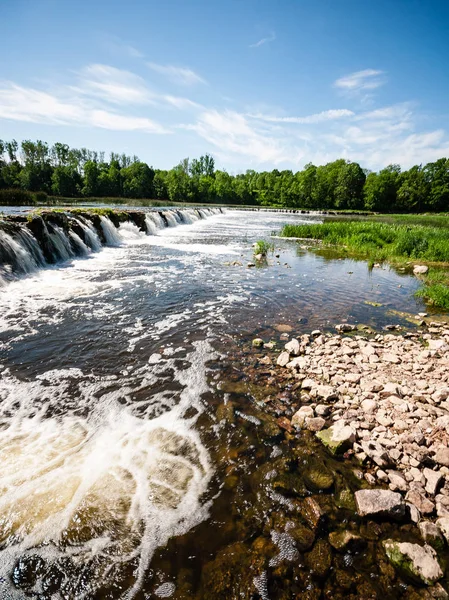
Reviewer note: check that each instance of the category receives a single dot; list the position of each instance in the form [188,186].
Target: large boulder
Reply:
[418,562]
[380,503]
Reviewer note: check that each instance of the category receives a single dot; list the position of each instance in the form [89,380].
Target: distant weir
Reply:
[32,242]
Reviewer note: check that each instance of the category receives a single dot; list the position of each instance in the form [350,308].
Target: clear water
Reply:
[112,462]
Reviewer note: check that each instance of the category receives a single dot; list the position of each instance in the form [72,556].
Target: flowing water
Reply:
[115,472]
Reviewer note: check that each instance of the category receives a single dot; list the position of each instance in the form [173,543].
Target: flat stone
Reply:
[298,363]
[381,503]
[283,328]
[420,270]
[314,423]
[283,359]
[420,562]
[369,406]
[391,358]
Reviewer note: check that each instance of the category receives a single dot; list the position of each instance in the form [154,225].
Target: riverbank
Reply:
[378,403]
[397,243]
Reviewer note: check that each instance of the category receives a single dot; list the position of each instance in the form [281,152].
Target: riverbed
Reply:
[119,477]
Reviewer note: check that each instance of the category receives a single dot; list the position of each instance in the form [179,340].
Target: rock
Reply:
[397,482]
[312,513]
[443,526]
[250,265]
[283,359]
[433,481]
[307,384]
[318,478]
[437,345]
[298,363]
[283,328]
[314,423]
[380,503]
[266,360]
[322,410]
[391,358]
[285,423]
[303,536]
[442,456]
[431,534]
[326,392]
[301,415]
[369,406]
[420,270]
[345,540]
[423,504]
[319,560]
[418,562]
[337,438]
[258,343]
[390,389]
[292,347]
[345,327]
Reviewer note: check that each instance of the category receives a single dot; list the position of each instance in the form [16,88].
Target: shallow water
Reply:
[115,471]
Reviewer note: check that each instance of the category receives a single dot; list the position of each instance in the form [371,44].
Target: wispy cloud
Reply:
[180,75]
[34,106]
[265,40]
[113,85]
[118,46]
[232,134]
[369,79]
[326,115]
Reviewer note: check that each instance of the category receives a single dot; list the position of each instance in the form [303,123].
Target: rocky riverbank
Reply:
[381,403]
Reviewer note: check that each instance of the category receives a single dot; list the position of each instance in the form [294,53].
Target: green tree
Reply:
[137,180]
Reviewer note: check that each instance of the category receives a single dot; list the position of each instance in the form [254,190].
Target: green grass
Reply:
[426,219]
[263,247]
[393,242]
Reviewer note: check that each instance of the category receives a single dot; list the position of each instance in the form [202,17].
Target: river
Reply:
[115,470]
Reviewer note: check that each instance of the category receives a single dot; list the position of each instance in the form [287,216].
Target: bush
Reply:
[41,197]
[16,197]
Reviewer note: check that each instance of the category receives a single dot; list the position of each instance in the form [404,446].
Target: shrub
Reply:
[16,197]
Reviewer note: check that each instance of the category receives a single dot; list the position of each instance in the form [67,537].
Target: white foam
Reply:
[112,486]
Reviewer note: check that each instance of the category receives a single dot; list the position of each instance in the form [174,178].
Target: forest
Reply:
[34,170]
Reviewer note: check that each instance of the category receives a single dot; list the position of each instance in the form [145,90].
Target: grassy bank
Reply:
[392,242]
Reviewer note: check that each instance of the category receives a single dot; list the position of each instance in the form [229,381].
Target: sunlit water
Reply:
[107,449]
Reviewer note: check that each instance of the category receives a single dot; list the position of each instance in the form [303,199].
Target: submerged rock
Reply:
[345,540]
[380,503]
[318,478]
[418,562]
[319,559]
[258,343]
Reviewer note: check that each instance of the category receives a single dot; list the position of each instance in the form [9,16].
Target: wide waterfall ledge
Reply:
[46,237]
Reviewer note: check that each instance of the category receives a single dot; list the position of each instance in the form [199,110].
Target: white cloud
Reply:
[265,40]
[369,79]
[113,85]
[180,75]
[34,106]
[232,134]
[326,115]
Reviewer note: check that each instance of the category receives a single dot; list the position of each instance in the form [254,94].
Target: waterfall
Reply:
[110,232]
[91,236]
[51,237]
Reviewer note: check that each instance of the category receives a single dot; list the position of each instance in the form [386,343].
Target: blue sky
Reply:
[258,84]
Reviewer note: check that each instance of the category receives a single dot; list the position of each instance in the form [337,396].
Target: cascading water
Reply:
[24,249]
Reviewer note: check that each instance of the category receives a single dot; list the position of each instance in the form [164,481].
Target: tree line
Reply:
[66,172]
